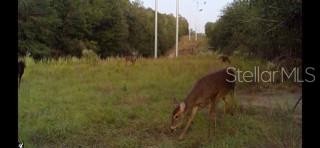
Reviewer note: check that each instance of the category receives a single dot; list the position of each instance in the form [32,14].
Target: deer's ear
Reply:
[175,102]
[182,106]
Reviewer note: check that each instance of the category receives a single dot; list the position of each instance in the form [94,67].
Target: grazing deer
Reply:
[132,59]
[224,59]
[21,67]
[205,93]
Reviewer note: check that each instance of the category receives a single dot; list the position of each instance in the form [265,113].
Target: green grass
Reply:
[74,102]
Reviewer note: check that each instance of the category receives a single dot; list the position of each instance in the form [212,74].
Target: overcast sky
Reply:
[211,10]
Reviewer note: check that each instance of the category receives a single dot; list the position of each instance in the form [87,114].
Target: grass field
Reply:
[108,103]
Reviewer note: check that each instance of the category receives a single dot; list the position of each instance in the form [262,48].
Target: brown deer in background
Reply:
[206,92]
[131,57]
[224,59]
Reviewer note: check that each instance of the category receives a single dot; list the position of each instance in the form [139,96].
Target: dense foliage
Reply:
[55,28]
[261,28]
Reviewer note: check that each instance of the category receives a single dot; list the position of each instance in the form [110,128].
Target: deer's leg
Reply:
[231,105]
[194,111]
[224,106]
[209,109]
[212,116]
[213,113]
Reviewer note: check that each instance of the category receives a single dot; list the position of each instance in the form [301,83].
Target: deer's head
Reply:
[177,115]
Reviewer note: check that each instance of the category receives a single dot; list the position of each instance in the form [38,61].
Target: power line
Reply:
[156,30]
[177,27]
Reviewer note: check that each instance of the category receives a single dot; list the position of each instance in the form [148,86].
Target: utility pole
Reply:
[196,28]
[196,33]
[156,30]
[189,32]
[177,27]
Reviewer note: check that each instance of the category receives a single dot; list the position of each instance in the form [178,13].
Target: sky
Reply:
[211,10]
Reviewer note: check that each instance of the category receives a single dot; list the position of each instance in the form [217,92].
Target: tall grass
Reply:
[73,102]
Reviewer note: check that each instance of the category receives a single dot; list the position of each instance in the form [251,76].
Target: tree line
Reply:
[60,28]
[262,28]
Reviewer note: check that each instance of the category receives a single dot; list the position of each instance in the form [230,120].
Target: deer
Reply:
[132,59]
[224,59]
[206,92]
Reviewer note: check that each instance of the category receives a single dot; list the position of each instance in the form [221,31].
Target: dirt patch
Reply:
[268,98]
[186,47]
[159,131]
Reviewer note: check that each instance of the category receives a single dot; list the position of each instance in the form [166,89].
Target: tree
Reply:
[266,29]
[56,28]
